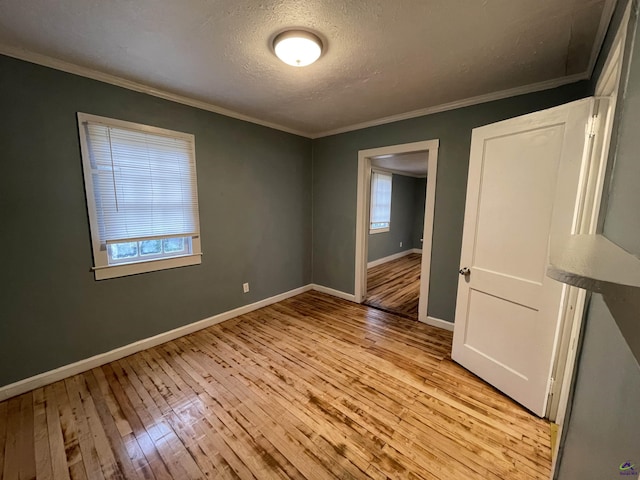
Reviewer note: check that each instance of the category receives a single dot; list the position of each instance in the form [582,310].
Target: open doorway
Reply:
[396,202]
[396,215]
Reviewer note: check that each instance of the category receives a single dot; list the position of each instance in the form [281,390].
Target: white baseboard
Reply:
[46,378]
[336,293]
[65,371]
[436,322]
[395,256]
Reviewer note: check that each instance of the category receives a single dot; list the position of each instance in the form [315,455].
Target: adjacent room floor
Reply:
[312,387]
[395,286]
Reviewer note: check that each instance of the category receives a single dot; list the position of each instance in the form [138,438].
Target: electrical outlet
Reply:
[400,243]
[245,287]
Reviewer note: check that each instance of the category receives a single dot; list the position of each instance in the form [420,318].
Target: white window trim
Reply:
[101,268]
[125,269]
[373,231]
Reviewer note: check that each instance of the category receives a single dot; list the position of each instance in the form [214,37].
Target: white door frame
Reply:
[606,92]
[362,217]
[607,89]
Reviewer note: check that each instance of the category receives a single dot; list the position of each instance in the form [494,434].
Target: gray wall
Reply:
[603,429]
[255,213]
[257,187]
[335,164]
[419,200]
[402,220]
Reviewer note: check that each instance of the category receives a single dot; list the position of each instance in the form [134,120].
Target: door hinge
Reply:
[552,382]
[592,126]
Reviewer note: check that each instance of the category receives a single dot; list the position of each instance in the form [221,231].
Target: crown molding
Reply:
[598,42]
[46,61]
[67,67]
[467,102]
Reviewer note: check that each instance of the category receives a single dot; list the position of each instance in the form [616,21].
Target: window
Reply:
[380,220]
[142,196]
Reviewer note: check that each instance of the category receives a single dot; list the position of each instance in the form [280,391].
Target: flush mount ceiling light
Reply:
[297,47]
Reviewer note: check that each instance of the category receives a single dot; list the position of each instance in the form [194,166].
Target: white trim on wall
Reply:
[65,371]
[362,216]
[46,378]
[390,258]
[605,20]
[466,102]
[436,322]
[46,61]
[336,293]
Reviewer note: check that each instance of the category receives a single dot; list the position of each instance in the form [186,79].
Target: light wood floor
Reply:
[395,286]
[312,387]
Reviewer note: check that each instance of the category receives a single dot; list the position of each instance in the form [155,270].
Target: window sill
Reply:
[125,269]
[378,230]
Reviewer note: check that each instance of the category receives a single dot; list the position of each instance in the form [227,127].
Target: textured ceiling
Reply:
[382,58]
[410,163]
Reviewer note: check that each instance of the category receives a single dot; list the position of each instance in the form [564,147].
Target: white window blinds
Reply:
[144,184]
[380,200]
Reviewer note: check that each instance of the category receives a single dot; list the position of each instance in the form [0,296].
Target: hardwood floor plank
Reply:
[140,434]
[116,444]
[296,431]
[123,426]
[108,463]
[348,412]
[395,286]
[11,450]
[186,439]
[59,467]
[230,438]
[85,438]
[124,436]
[26,448]
[249,414]
[179,463]
[235,429]
[213,422]
[41,436]
[3,433]
[324,393]
[461,394]
[312,387]
[73,453]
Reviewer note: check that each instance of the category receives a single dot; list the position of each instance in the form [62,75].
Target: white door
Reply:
[524,183]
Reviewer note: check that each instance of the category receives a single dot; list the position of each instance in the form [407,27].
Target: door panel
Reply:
[524,178]
[516,201]
[516,289]
[513,324]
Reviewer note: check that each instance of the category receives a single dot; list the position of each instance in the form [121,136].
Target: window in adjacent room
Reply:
[380,220]
[142,196]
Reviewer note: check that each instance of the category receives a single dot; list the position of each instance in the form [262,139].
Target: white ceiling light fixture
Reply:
[297,48]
